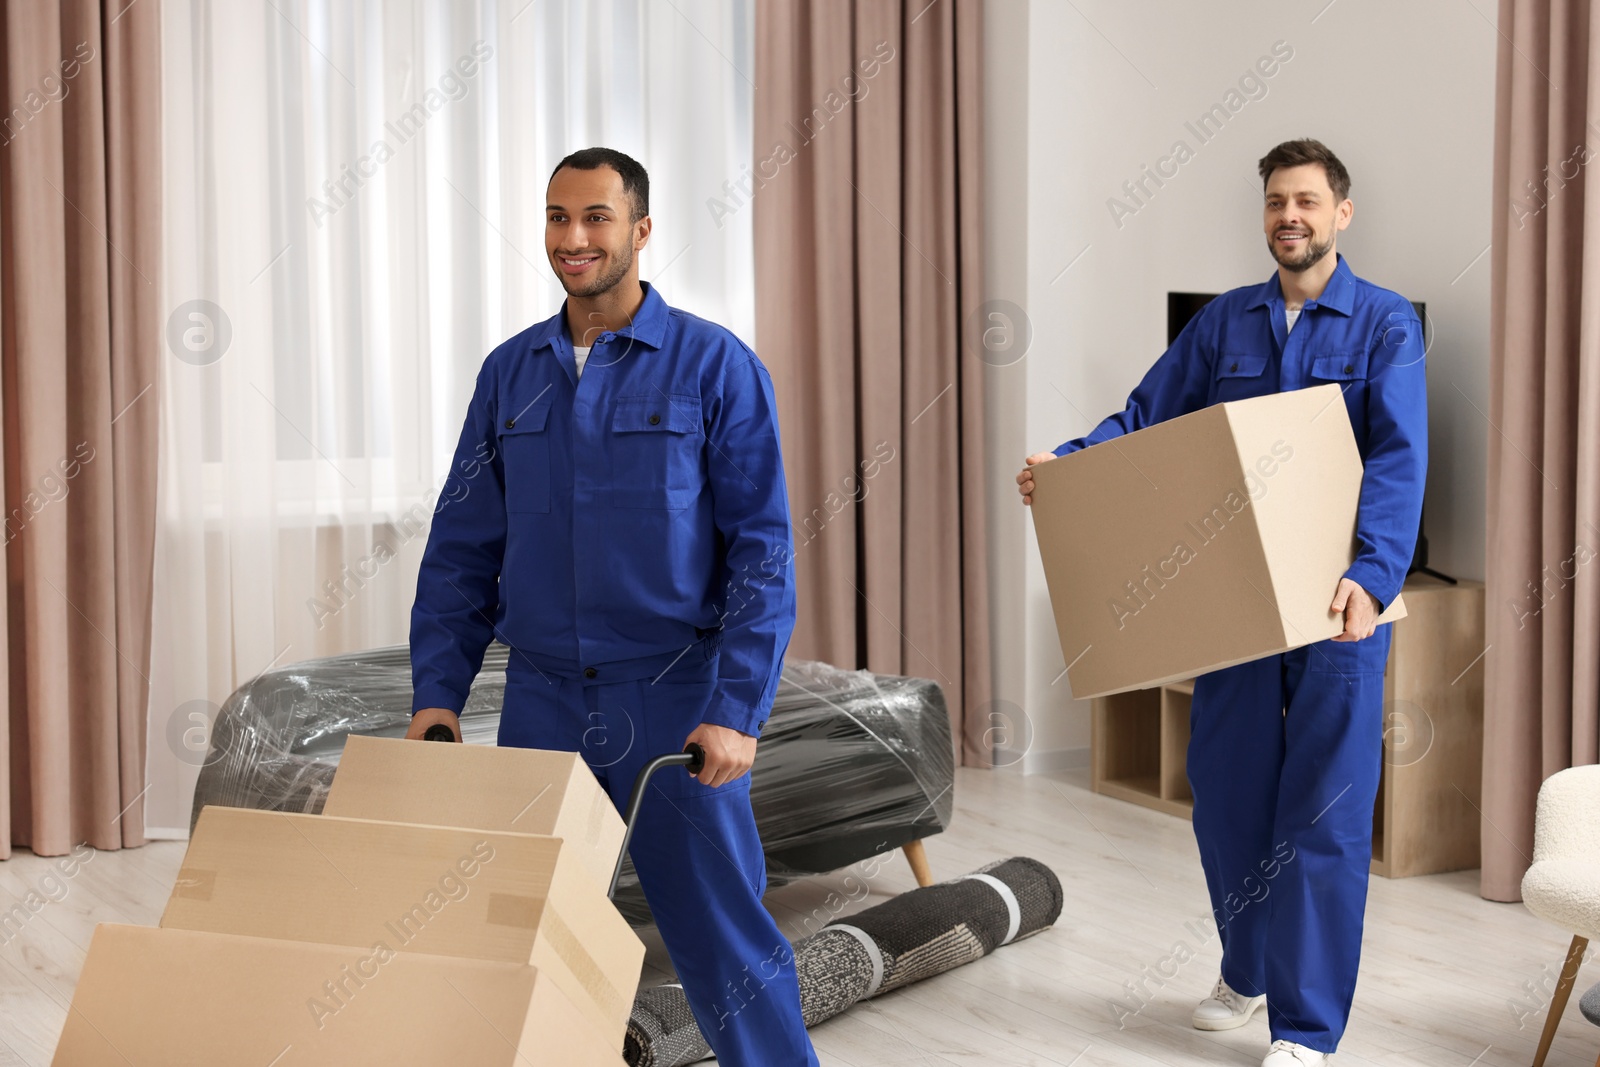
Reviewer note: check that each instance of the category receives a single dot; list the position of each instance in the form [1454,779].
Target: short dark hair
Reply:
[1304,151]
[635,182]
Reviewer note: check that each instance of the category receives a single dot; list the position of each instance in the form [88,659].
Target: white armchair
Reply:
[1563,885]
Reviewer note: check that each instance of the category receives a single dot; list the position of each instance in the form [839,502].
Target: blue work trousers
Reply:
[696,849]
[1284,758]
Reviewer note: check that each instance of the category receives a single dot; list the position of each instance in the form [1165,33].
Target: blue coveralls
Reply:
[1284,751]
[627,535]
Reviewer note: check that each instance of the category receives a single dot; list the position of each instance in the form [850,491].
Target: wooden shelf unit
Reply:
[1426,817]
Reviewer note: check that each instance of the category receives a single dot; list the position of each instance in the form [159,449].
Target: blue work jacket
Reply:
[603,526]
[1356,335]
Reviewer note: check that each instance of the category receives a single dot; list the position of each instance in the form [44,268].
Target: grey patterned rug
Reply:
[914,936]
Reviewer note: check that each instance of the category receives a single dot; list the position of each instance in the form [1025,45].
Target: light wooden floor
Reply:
[1442,971]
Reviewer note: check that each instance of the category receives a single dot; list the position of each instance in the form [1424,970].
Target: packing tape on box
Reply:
[600,808]
[610,999]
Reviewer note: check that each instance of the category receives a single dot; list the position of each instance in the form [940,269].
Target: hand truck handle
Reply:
[692,759]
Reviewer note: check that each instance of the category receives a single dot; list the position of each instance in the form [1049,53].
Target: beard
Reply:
[604,282]
[1307,259]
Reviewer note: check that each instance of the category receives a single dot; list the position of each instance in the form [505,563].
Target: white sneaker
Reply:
[1289,1054]
[1226,1010]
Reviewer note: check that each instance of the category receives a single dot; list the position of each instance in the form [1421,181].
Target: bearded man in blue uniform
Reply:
[1285,751]
[617,515]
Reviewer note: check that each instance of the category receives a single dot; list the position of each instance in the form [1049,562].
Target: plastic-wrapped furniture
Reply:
[1563,885]
[850,765]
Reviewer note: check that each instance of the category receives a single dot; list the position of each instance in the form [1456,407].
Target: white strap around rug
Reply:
[874,953]
[1013,908]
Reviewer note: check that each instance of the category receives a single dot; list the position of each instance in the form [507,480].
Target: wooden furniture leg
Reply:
[1558,1000]
[919,864]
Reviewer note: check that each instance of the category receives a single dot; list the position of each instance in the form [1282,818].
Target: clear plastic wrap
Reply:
[851,764]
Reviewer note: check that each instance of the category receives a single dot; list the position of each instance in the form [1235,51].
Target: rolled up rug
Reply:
[914,936]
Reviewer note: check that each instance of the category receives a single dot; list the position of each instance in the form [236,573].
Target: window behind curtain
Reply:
[354,197]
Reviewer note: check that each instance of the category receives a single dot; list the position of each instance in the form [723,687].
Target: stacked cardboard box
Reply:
[309,937]
[516,790]
[182,997]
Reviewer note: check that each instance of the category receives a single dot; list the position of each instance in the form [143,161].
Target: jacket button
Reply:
[511,424]
[655,420]
[589,672]
[1234,367]
[1348,368]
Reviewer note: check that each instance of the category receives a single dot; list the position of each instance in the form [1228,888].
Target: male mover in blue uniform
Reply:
[1285,751]
[617,515]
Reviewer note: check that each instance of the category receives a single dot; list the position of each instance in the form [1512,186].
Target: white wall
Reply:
[1404,95]
[1006,90]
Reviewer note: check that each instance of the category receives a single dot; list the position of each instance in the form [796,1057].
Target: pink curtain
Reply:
[866,199]
[80,330]
[1542,682]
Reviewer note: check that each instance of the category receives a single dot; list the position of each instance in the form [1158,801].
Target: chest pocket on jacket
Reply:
[1340,367]
[525,455]
[656,448]
[1238,376]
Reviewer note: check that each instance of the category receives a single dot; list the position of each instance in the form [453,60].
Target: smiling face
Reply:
[1301,217]
[589,234]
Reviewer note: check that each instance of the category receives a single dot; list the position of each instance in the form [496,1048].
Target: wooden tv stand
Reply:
[1426,819]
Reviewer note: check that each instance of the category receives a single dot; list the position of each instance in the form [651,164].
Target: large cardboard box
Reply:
[519,790]
[1208,540]
[182,998]
[451,891]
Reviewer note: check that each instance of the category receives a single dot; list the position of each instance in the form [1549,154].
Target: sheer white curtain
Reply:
[354,218]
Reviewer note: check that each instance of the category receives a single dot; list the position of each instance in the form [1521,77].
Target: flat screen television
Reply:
[1181,307]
